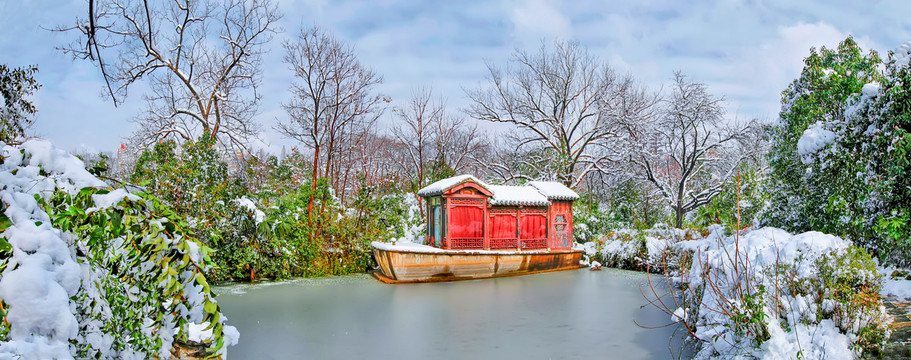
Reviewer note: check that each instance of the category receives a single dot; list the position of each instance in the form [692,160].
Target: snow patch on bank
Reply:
[760,250]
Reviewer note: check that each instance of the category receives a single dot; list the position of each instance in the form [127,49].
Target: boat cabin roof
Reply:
[535,193]
[554,190]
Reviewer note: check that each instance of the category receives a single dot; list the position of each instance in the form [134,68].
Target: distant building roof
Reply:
[554,190]
[536,193]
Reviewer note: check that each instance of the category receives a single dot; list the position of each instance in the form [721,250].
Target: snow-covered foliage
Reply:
[16,108]
[90,272]
[639,250]
[838,161]
[773,295]
[814,138]
[411,227]
[247,204]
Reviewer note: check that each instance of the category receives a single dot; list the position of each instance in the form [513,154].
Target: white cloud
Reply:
[536,19]
[755,74]
[745,50]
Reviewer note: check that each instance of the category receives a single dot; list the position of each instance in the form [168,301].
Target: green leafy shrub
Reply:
[152,269]
[723,208]
[116,272]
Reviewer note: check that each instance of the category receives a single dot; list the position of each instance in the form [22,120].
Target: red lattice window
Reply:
[470,243]
[503,243]
[533,243]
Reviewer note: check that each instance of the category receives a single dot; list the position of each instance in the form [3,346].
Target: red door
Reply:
[533,231]
[562,225]
[466,227]
[503,230]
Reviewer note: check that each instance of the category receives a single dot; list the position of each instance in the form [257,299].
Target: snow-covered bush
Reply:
[839,156]
[645,250]
[820,189]
[771,294]
[90,272]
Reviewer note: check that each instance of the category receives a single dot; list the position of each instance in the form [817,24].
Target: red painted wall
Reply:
[466,222]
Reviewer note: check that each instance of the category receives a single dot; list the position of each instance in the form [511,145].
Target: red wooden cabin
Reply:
[466,213]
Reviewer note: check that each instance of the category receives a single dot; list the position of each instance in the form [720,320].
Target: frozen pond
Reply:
[562,315]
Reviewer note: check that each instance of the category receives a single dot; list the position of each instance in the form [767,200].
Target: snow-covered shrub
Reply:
[90,272]
[771,294]
[617,205]
[839,157]
[823,189]
[644,250]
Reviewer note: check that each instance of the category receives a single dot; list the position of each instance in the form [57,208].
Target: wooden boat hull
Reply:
[402,266]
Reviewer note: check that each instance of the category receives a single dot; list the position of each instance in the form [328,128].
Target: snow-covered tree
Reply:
[566,105]
[687,154]
[201,61]
[819,170]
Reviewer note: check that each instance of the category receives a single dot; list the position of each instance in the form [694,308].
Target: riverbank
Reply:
[845,315]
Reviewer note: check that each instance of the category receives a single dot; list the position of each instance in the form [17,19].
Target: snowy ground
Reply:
[796,332]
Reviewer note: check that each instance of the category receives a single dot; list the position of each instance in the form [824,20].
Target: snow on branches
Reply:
[90,272]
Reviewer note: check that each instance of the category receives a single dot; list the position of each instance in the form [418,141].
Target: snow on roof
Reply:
[517,195]
[554,190]
[536,193]
[441,186]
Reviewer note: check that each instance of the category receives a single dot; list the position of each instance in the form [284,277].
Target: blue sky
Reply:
[746,50]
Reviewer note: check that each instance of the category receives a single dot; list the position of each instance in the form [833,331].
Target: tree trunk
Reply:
[313,184]
[678,215]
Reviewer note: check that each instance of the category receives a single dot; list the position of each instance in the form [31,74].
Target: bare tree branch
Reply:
[568,107]
[201,60]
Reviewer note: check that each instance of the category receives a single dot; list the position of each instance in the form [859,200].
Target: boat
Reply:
[476,230]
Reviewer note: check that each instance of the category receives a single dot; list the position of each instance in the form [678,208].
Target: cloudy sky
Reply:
[746,50]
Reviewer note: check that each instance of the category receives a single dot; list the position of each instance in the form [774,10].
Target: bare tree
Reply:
[415,129]
[567,104]
[458,144]
[333,94]
[201,58]
[418,123]
[690,151]
[429,136]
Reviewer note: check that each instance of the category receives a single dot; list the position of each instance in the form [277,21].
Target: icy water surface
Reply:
[562,315]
